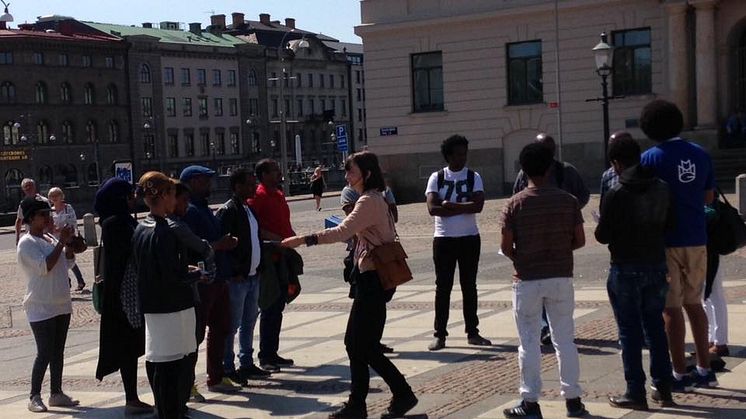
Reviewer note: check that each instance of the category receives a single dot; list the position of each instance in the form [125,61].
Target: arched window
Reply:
[46,175]
[111,95]
[41,92]
[7,92]
[90,131]
[89,94]
[93,174]
[113,132]
[65,93]
[68,173]
[11,134]
[252,77]
[42,132]
[67,132]
[144,74]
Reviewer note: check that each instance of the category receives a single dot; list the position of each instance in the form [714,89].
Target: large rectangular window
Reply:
[233,106]
[524,73]
[189,144]
[231,77]
[202,107]
[187,106]
[201,77]
[168,75]
[147,106]
[427,82]
[217,78]
[632,72]
[218,106]
[186,79]
[170,106]
[173,145]
[6,57]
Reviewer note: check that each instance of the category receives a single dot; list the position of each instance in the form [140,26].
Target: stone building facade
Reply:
[489,70]
[314,94]
[192,93]
[64,111]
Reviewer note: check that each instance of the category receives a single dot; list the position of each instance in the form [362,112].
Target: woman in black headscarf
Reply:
[120,345]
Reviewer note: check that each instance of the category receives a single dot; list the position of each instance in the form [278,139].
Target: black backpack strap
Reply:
[470,181]
[441,179]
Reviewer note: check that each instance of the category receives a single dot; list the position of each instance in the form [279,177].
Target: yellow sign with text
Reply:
[13,155]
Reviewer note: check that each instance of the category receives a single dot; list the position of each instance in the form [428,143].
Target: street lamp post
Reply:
[153,149]
[604,54]
[281,101]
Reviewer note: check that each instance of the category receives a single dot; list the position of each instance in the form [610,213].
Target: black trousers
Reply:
[270,325]
[171,383]
[50,336]
[362,340]
[447,252]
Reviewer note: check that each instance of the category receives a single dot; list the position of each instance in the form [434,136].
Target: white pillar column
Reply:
[678,66]
[706,63]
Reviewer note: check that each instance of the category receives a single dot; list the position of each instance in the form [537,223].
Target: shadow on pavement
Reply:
[275,405]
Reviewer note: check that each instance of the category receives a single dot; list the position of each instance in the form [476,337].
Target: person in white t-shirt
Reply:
[455,195]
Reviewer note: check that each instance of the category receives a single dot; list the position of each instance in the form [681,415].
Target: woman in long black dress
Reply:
[317,186]
[120,345]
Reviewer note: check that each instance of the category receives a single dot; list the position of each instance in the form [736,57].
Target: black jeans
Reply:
[50,336]
[270,325]
[171,383]
[447,251]
[638,297]
[362,340]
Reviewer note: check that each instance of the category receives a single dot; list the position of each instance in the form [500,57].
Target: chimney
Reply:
[264,18]
[237,19]
[218,21]
[147,25]
[195,28]
[290,22]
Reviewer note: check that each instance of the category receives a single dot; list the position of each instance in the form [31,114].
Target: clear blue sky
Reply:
[335,18]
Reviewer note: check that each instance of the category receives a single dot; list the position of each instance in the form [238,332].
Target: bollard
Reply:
[89,230]
[741,194]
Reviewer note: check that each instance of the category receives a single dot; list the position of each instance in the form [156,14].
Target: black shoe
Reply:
[477,340]
[386,349]
[437,344]
[664,398]
[546,336]
[283,362]
[626,402]
[575,408]
[400,405]
[253,372]
[350,411]
[237,378]
[524,409]
[269,366]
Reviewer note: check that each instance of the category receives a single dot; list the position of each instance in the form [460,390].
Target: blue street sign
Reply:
[341,138]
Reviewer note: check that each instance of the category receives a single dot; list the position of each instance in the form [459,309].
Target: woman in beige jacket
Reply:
[371,222]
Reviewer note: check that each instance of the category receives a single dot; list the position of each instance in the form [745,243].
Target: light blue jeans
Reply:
[244,298]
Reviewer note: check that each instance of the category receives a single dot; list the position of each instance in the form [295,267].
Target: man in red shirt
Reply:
[273,214]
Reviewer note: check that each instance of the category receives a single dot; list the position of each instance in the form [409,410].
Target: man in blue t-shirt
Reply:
[687,169]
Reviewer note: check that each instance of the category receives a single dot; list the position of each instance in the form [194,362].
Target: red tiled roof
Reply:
[14,33]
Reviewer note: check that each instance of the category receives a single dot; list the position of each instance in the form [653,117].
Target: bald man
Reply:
[561,174]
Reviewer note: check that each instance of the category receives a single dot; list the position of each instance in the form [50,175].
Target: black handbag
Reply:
[728,231]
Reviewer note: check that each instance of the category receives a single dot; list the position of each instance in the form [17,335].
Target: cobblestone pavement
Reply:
[460,381]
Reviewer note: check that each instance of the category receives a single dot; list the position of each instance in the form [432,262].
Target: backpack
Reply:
[469,180]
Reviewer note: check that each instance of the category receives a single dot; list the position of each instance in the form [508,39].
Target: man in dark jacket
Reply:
[239,267]
[214,307]
[635,215]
